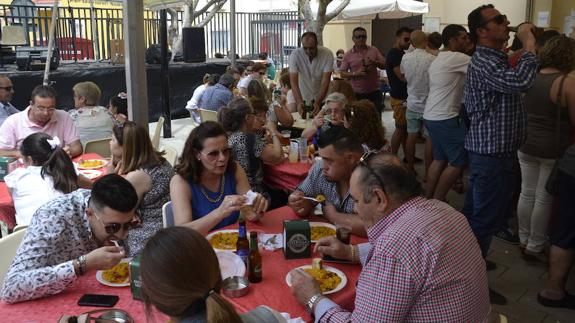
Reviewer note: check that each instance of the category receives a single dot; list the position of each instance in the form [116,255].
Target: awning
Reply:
[385,9]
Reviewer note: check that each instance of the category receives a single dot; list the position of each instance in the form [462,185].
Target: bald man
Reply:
[6,94]
[414,66]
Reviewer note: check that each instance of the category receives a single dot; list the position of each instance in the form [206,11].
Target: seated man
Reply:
[71,236]
[219,95]
[422,262]
[340,150]
[40,116]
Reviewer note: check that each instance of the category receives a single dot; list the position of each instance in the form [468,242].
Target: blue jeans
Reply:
[491,184]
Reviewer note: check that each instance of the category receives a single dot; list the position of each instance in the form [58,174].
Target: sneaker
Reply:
[496,298]
[568,301]
[507,236]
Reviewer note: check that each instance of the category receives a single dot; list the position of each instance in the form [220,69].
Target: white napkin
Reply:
[251,196]
[271,241]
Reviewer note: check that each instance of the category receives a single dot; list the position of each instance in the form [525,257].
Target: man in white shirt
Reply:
[414,66]
[6,93]
[310,68]
[446,79]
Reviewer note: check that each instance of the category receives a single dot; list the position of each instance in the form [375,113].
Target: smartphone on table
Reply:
[98,300]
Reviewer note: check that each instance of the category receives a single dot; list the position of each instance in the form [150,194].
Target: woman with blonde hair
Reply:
[92,120]
[136,159]
[176,283]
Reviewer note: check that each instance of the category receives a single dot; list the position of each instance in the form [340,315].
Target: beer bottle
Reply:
[243,245]
[304,110]
[254,260]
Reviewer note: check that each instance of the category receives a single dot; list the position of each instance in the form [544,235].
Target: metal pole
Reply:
[233,31]
[50,42]
[164,73]
[94,27]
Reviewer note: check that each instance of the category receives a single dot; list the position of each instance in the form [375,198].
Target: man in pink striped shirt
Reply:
[422,262]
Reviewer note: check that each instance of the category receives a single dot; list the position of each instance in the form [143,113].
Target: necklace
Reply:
[220,195]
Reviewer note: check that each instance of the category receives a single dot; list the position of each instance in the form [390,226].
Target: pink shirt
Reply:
[352,61]
[18,126]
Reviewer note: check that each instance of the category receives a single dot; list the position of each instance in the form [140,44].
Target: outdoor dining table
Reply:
[300,123]
[286,176]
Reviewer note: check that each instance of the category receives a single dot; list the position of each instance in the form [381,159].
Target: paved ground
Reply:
[514,278]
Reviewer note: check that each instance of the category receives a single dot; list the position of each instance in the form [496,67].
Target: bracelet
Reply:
[82,261]
[353,253]
[310,306]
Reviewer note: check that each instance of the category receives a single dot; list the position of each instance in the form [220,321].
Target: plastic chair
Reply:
[208,115]
[100,147]
[9,245]
[12,36]
[19,227]
[157,132]
[168,215]
[171,155]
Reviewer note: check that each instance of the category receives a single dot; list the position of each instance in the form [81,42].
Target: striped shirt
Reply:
[422,264]
[494,103]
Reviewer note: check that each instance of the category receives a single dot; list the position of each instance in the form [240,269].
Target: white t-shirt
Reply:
[193,102]
[446,80]
[310,74]
[243,83]
[414,66]
[30,191]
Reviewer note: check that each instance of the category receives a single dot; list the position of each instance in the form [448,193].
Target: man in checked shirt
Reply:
[421,264]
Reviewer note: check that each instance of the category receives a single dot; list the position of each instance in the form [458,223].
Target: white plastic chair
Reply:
[157,133]
[168,215]
[9,245]
[208,115]
[171,155]
[99,146]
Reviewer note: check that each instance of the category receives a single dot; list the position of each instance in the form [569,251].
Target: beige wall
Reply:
[561,8]
[337,34]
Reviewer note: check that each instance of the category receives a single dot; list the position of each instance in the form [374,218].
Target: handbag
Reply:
[551,184]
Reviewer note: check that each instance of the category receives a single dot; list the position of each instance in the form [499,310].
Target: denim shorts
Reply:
[448,139]
[414,121]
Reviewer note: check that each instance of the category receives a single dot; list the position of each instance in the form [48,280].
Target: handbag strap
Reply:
[558,120]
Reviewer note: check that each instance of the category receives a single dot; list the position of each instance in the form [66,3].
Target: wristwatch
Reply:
[311,302]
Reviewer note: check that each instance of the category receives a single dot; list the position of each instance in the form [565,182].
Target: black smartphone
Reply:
[98,300]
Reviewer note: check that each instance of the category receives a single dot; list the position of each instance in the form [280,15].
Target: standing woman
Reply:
[49,173]
[209,186]
[150,175]
[548,103]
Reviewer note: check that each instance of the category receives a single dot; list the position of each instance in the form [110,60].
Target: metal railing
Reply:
[85,33]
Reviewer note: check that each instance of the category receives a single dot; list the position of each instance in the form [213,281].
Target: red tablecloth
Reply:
[273,290]
[286,176]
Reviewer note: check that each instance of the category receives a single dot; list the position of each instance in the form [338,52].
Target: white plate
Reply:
[230,264]
[90,173]
[107,283]
[321,224]
[209,236]
[103,161]
[332,269]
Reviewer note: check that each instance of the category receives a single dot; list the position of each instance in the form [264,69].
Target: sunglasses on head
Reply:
[7,88]
[364,161]
[499,19]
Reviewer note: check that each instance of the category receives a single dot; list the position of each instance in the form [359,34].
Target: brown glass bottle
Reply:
[243,244]
[254,260]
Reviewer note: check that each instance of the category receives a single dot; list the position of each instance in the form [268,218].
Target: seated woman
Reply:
[209,186]
[118,107]
[277,111]
[287,99]
[364,122]
[49,173]
[243,119]
[93,121]
[332,113]
[150,175]
[188,290]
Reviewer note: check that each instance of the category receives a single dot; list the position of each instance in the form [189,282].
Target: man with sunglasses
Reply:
[40,116]
[421,262]
[71,236]
[6,93]
[360,66]
[498,122]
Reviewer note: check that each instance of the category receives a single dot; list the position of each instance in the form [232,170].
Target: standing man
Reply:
[414,66]
[6,93]
[398,92]
[360,66]
[310,68]
[497,122]
[446,129]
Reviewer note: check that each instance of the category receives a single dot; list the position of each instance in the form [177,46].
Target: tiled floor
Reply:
[514,278]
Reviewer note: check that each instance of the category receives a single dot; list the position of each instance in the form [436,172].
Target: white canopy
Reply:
[386,9]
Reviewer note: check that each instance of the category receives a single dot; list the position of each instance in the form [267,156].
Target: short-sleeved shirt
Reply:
[315,183]
[93,123]
[238,142]
[354,60]
[193,102]
[6,110]
[18,126]
[393,60]
[446,81]
[310,73]
[215,97]
[244,82]
[415,66]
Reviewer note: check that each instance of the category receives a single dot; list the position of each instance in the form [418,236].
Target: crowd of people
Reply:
[502,117]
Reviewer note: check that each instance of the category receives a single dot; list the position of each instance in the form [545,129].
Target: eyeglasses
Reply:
[363,161]
[360,37]
[406,39]
[44,109]
[112,228]
[262,73]
[499,19]
[214,154]
[7,88]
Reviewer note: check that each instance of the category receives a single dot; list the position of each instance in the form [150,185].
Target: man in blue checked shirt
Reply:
[494,103]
